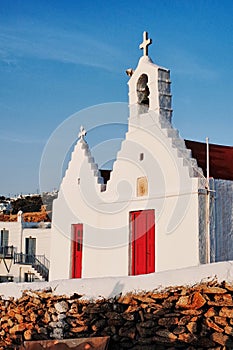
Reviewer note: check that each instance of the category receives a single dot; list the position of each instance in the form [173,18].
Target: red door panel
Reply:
[150,241]
[143,242]
[77,247]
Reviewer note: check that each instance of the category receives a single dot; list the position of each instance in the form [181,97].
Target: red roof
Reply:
[221,159]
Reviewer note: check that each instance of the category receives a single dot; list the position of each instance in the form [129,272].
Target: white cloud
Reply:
[44,42]
[22,140]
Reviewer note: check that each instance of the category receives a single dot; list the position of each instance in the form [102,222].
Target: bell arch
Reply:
[143,90]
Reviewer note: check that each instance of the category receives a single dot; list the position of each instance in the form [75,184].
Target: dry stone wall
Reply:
[197,317]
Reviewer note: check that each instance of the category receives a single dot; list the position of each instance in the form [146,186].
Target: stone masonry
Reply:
[197,317]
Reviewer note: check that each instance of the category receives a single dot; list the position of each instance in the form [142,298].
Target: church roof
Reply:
[221,159]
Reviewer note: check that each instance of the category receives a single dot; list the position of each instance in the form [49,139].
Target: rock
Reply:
[167,322]
[210,312]
[228,286]
[148,324]
[179,330]
[18,328]
[184,320]
[213,290]
[220,320]
[128,332]
[223,297]
[128,316]
[10,323]
[79,329]
[228,330]
[33,317]
[221,339]
[141,314]
[19,318]
[126,299]
[192,327]
[146,332]
[132,308]
[61,306]
[186,337]
[209,323]
[226,312]
[46,318]
[191,312]
[166,334]
[194,301]
[142,298]
[98,325]
[159,295]
[206,343]
[27,334]
[57,333]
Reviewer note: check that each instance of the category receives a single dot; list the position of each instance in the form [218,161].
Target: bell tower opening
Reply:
[143,91]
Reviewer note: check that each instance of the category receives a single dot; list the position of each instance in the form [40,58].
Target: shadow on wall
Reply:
[118,289]
[223,220]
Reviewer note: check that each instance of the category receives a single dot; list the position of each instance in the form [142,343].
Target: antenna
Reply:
[208,161]
[207,202]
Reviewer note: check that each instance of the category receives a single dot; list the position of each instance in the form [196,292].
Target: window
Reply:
[4,238]
[141,157]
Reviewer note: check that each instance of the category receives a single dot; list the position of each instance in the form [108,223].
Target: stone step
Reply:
[172,133]
[184,153]
[178,142]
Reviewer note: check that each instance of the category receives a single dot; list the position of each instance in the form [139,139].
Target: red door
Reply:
[77,246]
[142,242]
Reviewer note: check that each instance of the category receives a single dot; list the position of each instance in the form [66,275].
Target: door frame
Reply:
[74,227]
[131,242]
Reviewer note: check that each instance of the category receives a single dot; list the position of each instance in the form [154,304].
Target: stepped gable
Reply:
[83,145]
[94,166]
[182,150]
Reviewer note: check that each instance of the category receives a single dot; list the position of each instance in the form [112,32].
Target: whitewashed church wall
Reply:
[223,219]
[105,215]
[76,203]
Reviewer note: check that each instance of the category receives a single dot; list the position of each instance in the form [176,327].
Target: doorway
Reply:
[77,247]
[142,245]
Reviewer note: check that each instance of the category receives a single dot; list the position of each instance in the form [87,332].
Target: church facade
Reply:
[156,212]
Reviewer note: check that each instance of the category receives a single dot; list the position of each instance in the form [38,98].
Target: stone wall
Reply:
[197,317]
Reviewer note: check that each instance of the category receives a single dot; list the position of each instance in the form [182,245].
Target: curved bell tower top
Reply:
[149,85]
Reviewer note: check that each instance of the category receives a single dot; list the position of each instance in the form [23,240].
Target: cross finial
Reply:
[82,133]
[146,42]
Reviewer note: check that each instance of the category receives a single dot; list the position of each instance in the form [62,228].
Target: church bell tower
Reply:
[149,86]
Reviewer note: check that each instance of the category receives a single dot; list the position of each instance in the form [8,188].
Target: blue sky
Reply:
[59,57]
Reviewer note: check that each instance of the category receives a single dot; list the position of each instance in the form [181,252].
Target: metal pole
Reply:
[207,161]
[207,202]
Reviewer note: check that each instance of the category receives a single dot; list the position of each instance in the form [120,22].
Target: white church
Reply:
[166,204]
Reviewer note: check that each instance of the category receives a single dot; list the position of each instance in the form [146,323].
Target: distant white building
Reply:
[158,211]
[5,207]
[24,251]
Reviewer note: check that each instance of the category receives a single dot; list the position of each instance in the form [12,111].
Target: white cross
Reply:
[144,45]
[82,132]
